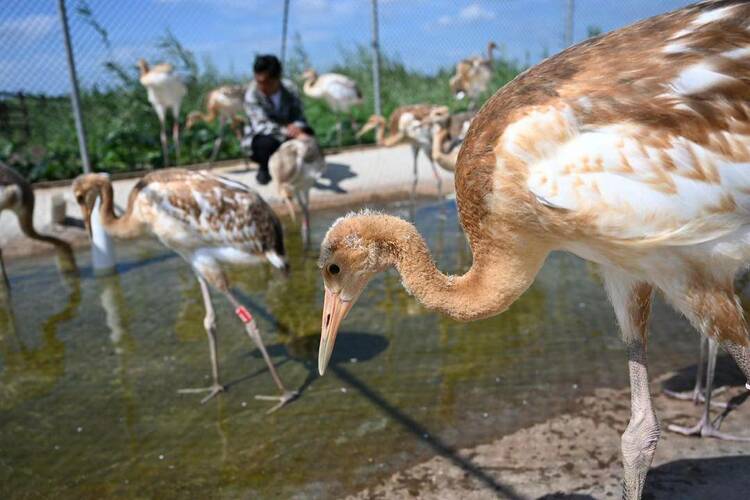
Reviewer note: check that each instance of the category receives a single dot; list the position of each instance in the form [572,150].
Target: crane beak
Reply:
[334,311]
[86,212]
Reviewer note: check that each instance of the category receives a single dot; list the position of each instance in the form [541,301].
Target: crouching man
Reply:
[274,112]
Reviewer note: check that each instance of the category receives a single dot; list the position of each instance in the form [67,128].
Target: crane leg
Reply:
[215,151]
[723,311]
[209,323]
[252,331]
[632,303]
[705,426]
[217,141]
[4,282]
[304,200]
[696,395]
[438,180]
[415,153]
[176,139]
[164,146]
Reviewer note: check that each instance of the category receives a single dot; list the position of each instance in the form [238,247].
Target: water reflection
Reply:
[30,372]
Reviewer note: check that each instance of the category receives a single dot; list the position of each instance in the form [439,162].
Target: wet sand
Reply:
[577,455]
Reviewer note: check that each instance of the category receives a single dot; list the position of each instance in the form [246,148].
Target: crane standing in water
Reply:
[207,219]
[16,195]
[630,150]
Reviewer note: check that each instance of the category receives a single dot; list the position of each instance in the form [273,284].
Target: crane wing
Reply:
[637,183]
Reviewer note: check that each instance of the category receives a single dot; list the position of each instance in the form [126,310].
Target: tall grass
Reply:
[123,131]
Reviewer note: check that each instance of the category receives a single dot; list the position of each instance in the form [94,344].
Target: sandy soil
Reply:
[577,456]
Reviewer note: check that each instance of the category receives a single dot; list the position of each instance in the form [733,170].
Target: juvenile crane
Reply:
[165,92]
[412,124]
[224,102]
[207,220]
[630,150]
[453,132]
[295,167]
[473,76]
[340,92]
[16,195]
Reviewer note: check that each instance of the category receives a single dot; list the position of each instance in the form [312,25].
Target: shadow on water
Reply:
[30,372]
[693,479]
[335,173]
[422,433]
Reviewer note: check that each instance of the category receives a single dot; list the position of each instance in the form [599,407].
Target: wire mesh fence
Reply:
[213,42]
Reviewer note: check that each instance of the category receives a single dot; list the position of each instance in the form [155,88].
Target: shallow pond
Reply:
[90,367]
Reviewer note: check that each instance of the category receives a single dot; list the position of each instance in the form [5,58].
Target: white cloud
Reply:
[445,20]
[29,27]
[475,12]
[470,14]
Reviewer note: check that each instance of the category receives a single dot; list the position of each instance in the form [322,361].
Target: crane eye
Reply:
[334,269]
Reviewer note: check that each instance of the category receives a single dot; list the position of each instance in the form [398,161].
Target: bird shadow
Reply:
[566,496]
[698,478]
[334,174]
[351,348]
[422,433]
[727,374]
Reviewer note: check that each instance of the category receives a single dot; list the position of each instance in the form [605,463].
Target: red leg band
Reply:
[243,314]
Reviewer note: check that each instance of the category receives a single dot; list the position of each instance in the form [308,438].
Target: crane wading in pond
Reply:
[207,219]
[630,150]
[16,195]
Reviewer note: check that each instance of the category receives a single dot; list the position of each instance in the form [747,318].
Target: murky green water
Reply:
[89,372]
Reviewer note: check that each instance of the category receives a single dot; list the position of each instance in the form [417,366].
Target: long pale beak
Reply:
[334,311]
[86,212]
[365,128]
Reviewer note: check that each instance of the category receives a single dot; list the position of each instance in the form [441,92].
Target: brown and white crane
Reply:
[413,124]
[295,167]
[226,104]
[16,196]
[630,150]
[165,92]
[340,92]
[447,137]
[208,220]
[473,76]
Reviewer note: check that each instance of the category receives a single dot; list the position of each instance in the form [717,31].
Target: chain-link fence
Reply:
[213,42]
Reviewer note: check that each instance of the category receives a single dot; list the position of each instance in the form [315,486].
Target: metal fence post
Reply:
[570,8]
[75,97]
[283,32]
[376,58]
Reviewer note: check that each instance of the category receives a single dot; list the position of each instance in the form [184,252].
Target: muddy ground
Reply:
[577,456]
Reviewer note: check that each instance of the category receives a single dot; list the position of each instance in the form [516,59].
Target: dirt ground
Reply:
[577,456]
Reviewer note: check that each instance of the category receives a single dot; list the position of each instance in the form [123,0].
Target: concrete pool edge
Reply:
[392,183]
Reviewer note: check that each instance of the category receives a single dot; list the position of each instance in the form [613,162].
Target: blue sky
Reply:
[425,34]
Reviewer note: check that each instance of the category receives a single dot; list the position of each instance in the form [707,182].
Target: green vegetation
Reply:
[38,135]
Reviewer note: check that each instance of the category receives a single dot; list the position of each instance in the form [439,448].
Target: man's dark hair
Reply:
[268,64]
